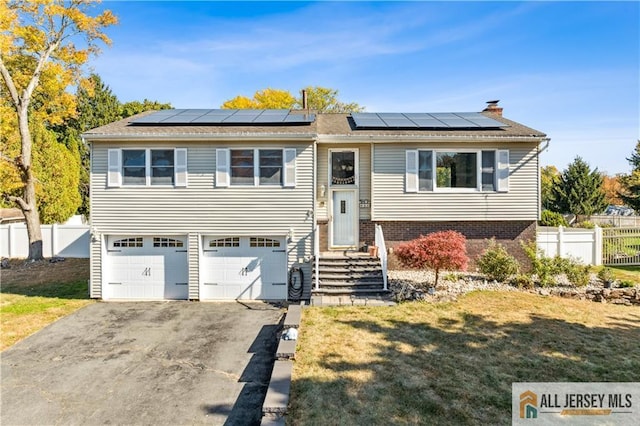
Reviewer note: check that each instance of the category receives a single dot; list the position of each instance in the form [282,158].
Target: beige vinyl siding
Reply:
[202,208]
[391,202]
[364,178]
[95,272]
[194,266]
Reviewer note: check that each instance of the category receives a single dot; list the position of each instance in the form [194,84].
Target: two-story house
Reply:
[236,204]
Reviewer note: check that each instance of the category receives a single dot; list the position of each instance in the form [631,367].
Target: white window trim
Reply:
[256,168]
[501,185]
[147,161]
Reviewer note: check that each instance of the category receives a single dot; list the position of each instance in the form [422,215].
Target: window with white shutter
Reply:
[503,170]
[290,167]
[114,175]
[411,175]
[222,167]
[181,167]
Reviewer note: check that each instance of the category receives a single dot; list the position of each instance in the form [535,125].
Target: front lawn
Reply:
[33,296]
[630,273]
[453,363]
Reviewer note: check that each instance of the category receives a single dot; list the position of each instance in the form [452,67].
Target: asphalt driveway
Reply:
[161,363]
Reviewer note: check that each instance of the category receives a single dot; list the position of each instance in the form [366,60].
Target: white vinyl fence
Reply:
[581,244]
[57,240]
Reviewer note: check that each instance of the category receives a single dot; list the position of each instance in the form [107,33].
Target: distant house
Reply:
[11,215]
[223,204]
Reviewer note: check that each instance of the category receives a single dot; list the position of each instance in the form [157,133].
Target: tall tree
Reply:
[39,60]
[579,190]
[96,105]
[263,99]
[56,166]
[549,177]
[612,186]
[630,193]
[320,99]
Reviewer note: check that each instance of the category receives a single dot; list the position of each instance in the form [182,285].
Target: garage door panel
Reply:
[146,271]
[244,272]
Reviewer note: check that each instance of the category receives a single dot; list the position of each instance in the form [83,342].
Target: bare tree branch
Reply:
[20,202]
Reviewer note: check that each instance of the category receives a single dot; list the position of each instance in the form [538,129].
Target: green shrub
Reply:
[606,275]
[586,225]
[453,277]
[522,281]
[550,218]
[578,274]
[496,263]
[548,268]
[627,283]
[545,268]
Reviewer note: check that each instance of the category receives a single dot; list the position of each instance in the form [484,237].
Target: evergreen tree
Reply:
[136,107]
[631,183]
[96,105]
[579,190]
[549,177]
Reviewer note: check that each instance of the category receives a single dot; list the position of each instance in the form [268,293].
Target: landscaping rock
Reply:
[418,285]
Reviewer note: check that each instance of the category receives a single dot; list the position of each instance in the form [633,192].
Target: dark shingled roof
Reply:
[326,125]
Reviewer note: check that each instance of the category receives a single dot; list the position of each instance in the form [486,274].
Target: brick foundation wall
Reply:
[323,228]
[507,233]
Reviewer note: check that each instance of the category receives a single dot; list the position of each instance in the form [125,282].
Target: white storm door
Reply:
[344,219]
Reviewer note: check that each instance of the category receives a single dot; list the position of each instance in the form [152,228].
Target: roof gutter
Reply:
[427,138]
[185,137]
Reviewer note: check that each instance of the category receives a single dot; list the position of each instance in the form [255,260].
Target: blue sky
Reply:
[569,69]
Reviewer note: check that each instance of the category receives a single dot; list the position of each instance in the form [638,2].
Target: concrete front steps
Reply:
[348,274]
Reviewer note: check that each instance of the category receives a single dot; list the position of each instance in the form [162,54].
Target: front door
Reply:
[343,179]
[344,219]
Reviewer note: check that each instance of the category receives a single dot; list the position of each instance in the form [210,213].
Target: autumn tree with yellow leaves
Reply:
[43,46]
[320,99]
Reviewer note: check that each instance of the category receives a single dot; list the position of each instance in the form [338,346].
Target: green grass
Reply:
[25,309]
[631,273]
[453,363]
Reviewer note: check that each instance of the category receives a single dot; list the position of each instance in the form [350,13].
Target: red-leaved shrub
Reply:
[445,250]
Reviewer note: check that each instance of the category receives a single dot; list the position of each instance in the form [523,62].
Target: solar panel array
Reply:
[415,120]
[224,116]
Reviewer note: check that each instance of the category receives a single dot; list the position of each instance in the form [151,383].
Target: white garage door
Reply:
[146,268]
[244,268]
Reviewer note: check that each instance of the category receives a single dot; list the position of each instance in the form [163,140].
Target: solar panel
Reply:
[300,118]
[223,116]
[363,119]
[447,120]
[396,120]
[452,120]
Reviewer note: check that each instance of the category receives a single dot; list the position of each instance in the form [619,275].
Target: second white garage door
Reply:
[250,268]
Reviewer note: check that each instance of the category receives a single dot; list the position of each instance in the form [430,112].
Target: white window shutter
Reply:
[411,177]
[289,168]
[502,175]
[180,167]
[114,175]
[222,167]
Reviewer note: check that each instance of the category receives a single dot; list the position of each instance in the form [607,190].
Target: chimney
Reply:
[305,105]
[493,108]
